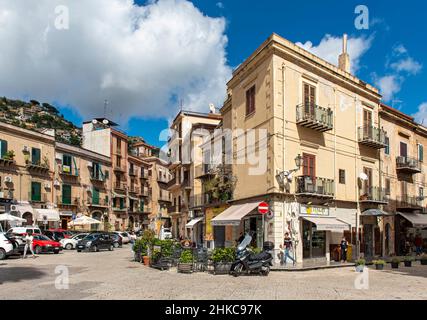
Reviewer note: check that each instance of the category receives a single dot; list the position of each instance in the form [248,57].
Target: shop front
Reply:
[372,238]
[48,218]
[66,218]
[411,230]
[195,231]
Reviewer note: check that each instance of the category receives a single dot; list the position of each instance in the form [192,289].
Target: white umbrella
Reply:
[83,221]
[10,218]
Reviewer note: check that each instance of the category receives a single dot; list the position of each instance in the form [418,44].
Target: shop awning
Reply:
[418,220]
[374,213]
[233,216]
[50,214]
[328,224]
[193,222]
[66,213]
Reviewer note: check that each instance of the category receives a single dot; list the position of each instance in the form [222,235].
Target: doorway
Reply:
[314,241]
[368,230]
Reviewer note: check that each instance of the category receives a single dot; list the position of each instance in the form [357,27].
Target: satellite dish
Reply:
[363,176]
[105,121]
[94,121]
[212,108]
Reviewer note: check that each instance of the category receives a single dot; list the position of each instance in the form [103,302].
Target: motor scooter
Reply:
[247,262]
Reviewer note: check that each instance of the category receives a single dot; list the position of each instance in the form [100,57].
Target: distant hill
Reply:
[37,116]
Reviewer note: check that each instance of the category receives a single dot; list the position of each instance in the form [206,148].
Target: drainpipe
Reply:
[283,146]
[357,185]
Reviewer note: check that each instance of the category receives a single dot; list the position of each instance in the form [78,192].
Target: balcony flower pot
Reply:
[408,263]
[185,267]
[185,264]
[379,264]
[360,265]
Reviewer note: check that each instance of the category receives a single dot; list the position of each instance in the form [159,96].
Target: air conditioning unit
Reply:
[12,207]
[8,179]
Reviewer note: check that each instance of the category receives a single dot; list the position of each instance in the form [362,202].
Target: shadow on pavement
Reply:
[16,274]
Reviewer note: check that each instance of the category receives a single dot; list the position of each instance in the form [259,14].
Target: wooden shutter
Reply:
[309,165]
[36,188]
[66,194]
[403,149]
[35,156]
[420,152]
[95,196]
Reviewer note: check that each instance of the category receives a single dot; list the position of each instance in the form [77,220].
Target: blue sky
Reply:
[395,57]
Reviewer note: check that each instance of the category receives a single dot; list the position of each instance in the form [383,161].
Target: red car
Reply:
[42,244]
[67,234]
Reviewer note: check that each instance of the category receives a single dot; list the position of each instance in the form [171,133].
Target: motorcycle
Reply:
[247,262]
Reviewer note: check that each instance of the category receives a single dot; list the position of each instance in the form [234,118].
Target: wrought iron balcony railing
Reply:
[372,137]
[374,195]
[315,186]
[407,164]
[315,117]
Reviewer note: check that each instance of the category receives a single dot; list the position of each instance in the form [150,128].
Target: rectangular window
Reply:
[118,161]
[341,176]
[250,100]
[122,203]
[368,182]
[309,98]
[387,147]
[3,148]
[35,156]
[387,186]
[119,146]
[421,192]
[66,194]
[67,162]
[403,149]
[36,191]
[95,196]
[420,152]
[309,165]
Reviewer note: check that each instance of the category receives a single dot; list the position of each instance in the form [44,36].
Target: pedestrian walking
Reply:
[132,239]
[287,243]
[28,245]
[344,248]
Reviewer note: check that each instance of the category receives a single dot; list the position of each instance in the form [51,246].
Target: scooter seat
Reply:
[259,256]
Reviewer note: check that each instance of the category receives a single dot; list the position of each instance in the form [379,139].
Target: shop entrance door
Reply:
[368,230]
[314,242]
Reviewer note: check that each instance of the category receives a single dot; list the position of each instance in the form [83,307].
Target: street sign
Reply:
[263,208]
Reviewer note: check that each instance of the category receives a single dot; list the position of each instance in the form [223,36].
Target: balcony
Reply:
[372,137]
[68,171]
[132,173]
[162,179]
[133,189]
[144,175]
[119,168]
[174,210]
[314,187]
[96,177]
[6,162]
[373,195]
[407,202]
[101,203]
[198,200]
[173,184]
[144,192]
[120,186]
[408,165]
[204,171]
[186,184]
[37,197]
[120,209]
[37,166]
[315,117]
[68,201]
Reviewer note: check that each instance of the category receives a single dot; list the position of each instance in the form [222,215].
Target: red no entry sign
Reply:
[263,207]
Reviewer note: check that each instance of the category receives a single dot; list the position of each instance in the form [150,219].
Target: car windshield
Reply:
[246,241]
[41,237]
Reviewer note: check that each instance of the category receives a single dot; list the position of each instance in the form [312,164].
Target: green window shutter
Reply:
[122,203]
[3,148]
[35,156]
[95,196]
[66,194]
[420,152]
[36,189]
[141,204]
[76,170]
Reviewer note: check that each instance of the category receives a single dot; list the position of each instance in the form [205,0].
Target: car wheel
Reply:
[69,246]
[111,248]
[38,249]
[116,245]
[95,248]
[56,252]
[2,254]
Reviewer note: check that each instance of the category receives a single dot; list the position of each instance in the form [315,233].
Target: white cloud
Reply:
[399,50]
[330,47]
[408,65]
[143,59]
[421,115]
[389,85]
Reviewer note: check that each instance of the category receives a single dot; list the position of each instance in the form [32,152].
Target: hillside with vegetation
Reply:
[38,116]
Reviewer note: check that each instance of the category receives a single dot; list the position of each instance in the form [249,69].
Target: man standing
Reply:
[287,243]
[344,248]
[28,245]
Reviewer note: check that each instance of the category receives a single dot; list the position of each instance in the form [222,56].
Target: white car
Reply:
[23,230]
[71,243]
[6,247]
[124,235]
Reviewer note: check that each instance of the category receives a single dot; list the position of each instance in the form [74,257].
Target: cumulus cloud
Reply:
[421,115]
[389,85]
[142,59]
[330,47]
[408,65]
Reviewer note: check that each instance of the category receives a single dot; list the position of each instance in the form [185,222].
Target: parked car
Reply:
[71,243]
[95,242]
[66,233]
[54,235]
[42,244]
[124,235]
[6,247]
[24,230]
[17,241]
[117,240]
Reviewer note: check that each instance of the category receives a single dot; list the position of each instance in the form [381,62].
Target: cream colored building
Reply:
[302,107]
[404,177]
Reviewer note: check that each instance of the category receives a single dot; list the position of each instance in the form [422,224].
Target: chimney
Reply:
[344,58]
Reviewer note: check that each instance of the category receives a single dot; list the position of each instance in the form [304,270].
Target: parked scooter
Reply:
[247,262]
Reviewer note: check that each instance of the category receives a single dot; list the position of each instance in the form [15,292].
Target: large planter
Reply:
[395,265]
[360,268]
[379,266]
[222,267]
[146,260]
[424,262]
[185,267]
[408,263]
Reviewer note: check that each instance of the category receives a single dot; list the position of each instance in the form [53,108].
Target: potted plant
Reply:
[408,261]
[379,264]
[360,265]
[140,250]
[10,155]
[222,259]
[395,263]
[423,260]
[186,261]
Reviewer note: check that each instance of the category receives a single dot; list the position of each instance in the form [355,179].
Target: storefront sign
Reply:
[314,210]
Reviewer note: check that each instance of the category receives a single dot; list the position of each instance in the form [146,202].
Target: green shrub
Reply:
[360,262]
[409,258]
[395,260]
[224,255]
[379,262]
[186,256]
[141,246]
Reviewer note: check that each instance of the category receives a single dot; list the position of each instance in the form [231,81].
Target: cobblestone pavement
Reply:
[112,275]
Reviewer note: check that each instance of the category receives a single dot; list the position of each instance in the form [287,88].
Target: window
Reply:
[309,165]
[118,161]
[403,150]
[387,145]
[341,176]
[368,182]
[95,196]
[36,188]
[421,192]
[3,148]
[250,100]
[420,152]
[66,194]
[67,161]
[309,98]
[387,186]
[119,146]
[35,156]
